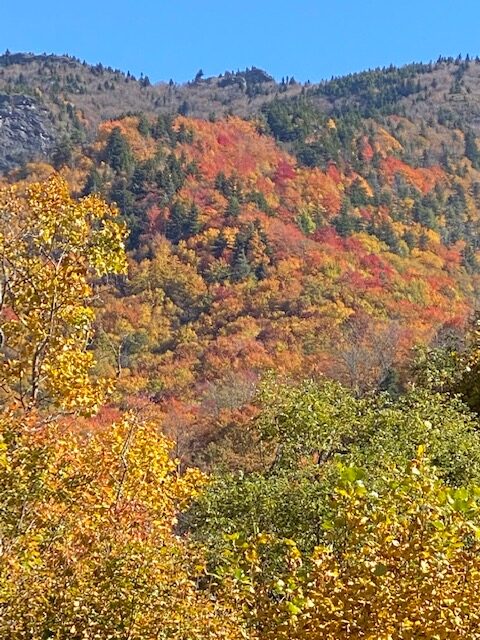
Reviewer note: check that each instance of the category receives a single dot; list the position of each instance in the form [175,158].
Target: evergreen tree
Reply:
[94,183]
[410,239]
[345,223]
[386,233]
[176,223]
[183,222]
[163,128]
[469,260]
[357,194]
[219,244]
[221,183]
[120,194]
[240,267]
[184,108]
[117,152]
[140,179]
[133,215]
[233,208]
[193,223]
[471,149]
[143,126]
[171,178]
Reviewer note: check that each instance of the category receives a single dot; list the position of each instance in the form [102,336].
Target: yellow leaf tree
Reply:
[89,547]
[51,246]
[400,564]
[88,538]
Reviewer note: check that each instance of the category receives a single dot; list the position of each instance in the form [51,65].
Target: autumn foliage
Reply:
[51,247]
[402,563]
[244,260]
[89,511]
[88,537]
[280,302]
[94,517]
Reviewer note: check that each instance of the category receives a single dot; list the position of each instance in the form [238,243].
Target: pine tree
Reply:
[143,125]
[117,151]
[192,226]
[63,153]
[240,268]
[94,183]
[176,223]
[471,149]
[233,208]
[345,223]
[219,244]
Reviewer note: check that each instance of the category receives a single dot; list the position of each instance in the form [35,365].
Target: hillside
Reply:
[239,354]
[325,235]
[78,96]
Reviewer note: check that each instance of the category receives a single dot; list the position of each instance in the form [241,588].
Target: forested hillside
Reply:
[271,283]
[328,234]
[78,96]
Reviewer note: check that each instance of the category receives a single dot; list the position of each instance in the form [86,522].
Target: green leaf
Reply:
[380,569]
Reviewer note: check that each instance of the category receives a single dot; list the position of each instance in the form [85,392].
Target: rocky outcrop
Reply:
[26,132]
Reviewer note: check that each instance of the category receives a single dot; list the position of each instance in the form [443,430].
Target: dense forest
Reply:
[239,381]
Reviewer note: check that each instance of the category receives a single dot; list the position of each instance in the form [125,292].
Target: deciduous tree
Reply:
[51,247]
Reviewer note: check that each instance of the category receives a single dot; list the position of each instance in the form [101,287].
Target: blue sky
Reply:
[305,38]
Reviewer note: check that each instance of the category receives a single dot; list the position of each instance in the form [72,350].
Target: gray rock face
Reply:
[26,133]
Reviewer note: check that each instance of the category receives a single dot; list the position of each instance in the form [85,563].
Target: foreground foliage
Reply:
[87,525]
[301,434]
[402,564]
[51,246]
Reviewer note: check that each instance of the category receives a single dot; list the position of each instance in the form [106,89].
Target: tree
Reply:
[184,109]
[89,547]
[63,153]
[471,149]
[366,352]
[143,125]
[357,194]
[233,209]
[183,222]
[401,563]
[93,183]
[240,267]
[51,246]
[117,151]
[346,223]
[300,435]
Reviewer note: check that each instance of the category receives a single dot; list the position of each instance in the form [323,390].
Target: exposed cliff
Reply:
[26,132]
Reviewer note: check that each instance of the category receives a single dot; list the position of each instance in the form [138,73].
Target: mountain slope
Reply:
[327,234]
[79,96]
[244,260]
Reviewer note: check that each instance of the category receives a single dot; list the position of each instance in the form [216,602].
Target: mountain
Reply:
[77,96]
[314,230]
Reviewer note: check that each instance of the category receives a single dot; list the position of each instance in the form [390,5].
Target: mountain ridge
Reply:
[78,96]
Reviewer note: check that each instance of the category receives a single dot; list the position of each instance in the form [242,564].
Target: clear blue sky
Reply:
[305,38]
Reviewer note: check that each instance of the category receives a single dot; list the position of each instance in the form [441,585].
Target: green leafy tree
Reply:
[401,563]
[300,435]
